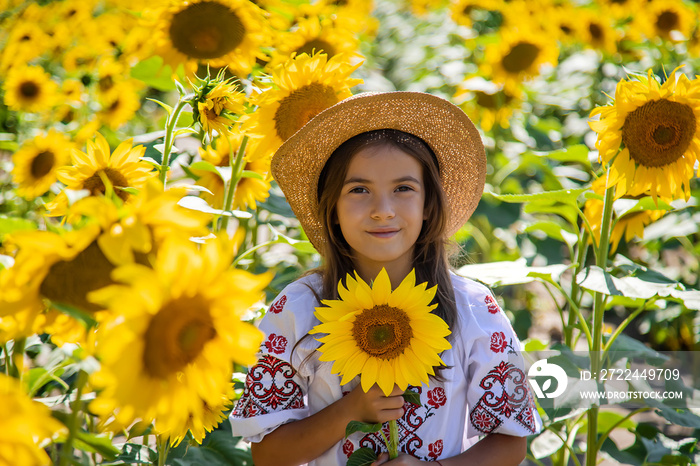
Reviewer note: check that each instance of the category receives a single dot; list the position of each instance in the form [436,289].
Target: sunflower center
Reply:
[29,90]
[42,164]
[596,32]
[300,106]
[96,187]
[659,132]
[667,21]
[316,46]
[383,331]
[206,30]
[176,335]
[492,101]
[520,57]
[69,282]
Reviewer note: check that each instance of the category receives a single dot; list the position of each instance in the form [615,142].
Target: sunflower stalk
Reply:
[163,449]
[76,407]
[393,440]
[173,117]
[236,174]
[598,311]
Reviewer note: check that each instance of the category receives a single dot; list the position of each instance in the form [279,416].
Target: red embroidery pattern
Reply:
[435,449]
[409,442]
[498,342]
[278,305]
[436,397]
[491,305]
[276,343]
[348,448]
[506,392]
[269,387]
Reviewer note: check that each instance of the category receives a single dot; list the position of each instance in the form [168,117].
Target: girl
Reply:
[381,181]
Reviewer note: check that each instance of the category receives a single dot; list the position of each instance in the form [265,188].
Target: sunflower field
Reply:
[142,236]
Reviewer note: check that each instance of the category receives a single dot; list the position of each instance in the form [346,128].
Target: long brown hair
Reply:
[430,258]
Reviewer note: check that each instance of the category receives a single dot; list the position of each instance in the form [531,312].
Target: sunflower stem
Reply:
[169,135]
[236,173]
[76,407]
[598,311]
[393,440]
[17,367]
[163,449]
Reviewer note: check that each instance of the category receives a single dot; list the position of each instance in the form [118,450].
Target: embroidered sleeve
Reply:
[274,391]
[499,397]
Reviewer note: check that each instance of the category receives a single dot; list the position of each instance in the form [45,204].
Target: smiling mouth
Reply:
[383,233]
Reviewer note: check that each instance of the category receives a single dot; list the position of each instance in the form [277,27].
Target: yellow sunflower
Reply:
[175,334]
[37,161]
[461,10]
[304,86]
[249,191]
[26,40]
[656,126]
[622,9]
[314,35]
[487,103]
[219,102]
[387,337]
[123,168]
[61,268]
[204,418]
[119,104]
[131,230]
[519,55]
[597,30]
[27,426]
[30,89]
[217,32]
[672,20]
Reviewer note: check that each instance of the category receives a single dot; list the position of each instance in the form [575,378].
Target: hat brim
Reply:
[454,139]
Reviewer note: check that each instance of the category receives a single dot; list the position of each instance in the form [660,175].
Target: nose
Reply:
[383,207]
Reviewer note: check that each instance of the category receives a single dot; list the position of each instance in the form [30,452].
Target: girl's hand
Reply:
[374,406]
[402,460]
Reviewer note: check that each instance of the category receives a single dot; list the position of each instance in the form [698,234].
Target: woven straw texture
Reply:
[451,135]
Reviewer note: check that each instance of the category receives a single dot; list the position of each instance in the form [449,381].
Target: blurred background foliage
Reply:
[529,74]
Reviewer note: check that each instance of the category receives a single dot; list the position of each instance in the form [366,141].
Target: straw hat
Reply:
[451,135]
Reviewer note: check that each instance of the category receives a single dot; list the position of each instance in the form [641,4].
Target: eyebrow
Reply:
[403,179]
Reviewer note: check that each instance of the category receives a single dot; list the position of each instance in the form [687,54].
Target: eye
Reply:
[404,188]
[358,189]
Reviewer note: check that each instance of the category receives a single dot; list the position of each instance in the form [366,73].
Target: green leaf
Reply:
[358,426]
[517,272]
[252,174]
[577,153]
[299,245]
[362,457]
[13,224]
[412,397]
[594,278]
[134,453]
[629,206]
[167,107]
[96,443]
[152,72]
[78,314]
[546,444]
[554,230]
[566,196]
[187,130]
[206,166]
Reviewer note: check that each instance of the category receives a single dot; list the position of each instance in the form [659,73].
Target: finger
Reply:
[396,391]
[390,415]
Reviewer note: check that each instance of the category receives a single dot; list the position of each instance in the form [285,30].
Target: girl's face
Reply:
[380,210]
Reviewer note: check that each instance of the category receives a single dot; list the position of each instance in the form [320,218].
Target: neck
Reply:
[396,271]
